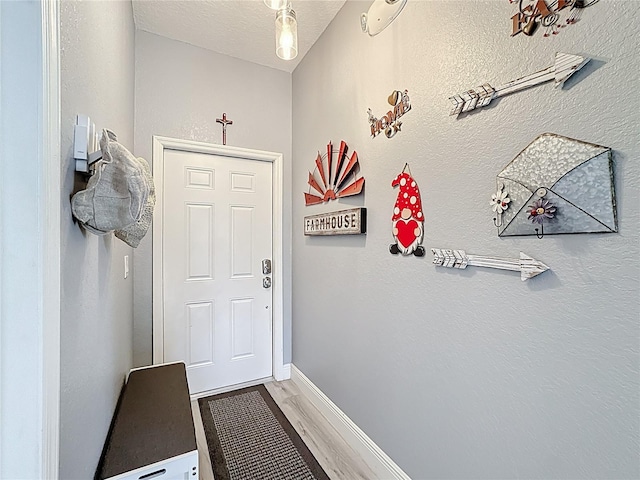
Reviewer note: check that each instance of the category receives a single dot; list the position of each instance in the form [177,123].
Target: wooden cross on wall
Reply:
[224,123]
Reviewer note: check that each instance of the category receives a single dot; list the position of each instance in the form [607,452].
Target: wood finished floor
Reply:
[338,459]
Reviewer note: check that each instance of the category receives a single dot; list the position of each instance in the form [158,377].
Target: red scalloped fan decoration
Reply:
[336,179]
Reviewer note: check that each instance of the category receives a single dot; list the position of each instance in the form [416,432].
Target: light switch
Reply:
[126,266]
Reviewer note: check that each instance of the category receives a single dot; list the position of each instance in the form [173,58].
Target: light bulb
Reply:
[277,4]
[286,39]
[286,34]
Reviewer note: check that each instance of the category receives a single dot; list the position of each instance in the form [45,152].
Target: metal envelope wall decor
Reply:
[557,185]
[334,179]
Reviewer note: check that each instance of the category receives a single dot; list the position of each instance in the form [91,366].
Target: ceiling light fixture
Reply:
[277,4]
[380,15]
[286,34]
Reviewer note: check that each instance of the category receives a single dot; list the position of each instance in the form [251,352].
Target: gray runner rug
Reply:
[249,438]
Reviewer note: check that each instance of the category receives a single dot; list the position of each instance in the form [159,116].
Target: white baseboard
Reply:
[380,462]
[286,371]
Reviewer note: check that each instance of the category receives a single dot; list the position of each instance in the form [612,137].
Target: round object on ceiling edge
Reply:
[380,15]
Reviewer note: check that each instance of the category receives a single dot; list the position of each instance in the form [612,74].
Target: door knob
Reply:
[266,282]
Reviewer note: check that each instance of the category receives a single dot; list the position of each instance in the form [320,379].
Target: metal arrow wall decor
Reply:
[565,65]
[527,266]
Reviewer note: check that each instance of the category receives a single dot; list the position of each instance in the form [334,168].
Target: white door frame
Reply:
[30,255]
[159,146]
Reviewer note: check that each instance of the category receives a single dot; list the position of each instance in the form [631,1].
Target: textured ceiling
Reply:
[240,28]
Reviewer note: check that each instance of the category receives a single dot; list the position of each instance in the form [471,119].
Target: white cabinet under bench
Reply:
[152,434]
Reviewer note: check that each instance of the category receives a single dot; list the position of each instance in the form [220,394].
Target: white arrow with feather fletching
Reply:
[565,65]
[527,266]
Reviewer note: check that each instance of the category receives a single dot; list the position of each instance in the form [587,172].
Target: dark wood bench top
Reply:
[152,421]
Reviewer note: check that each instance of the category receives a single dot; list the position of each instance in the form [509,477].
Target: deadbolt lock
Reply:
[266,266]
[266,282]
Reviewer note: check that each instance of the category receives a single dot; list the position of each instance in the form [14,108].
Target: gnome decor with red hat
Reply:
[408,219]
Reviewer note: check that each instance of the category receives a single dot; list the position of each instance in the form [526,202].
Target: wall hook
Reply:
[541,234]
[496,223]
[86,149]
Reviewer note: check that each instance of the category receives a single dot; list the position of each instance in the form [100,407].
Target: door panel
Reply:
[199,317]
[217,229]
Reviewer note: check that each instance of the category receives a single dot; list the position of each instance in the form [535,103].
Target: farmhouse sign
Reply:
[344,222]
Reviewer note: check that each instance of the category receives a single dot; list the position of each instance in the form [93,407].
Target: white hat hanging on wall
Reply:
[552,16]
[408,218]
[120,195]
[134,233]
[556,185]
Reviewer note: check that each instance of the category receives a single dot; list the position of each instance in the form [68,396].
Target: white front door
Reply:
[216,232]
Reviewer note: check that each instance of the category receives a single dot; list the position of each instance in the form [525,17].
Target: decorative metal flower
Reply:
[499,201]
[541,210]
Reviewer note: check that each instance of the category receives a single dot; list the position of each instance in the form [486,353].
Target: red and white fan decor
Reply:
[334,176]
[408,218]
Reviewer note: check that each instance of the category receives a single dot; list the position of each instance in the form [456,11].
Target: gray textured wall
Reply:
[472,374]
[180,91]
[97,79]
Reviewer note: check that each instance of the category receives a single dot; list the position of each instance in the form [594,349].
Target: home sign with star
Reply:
[390,122]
